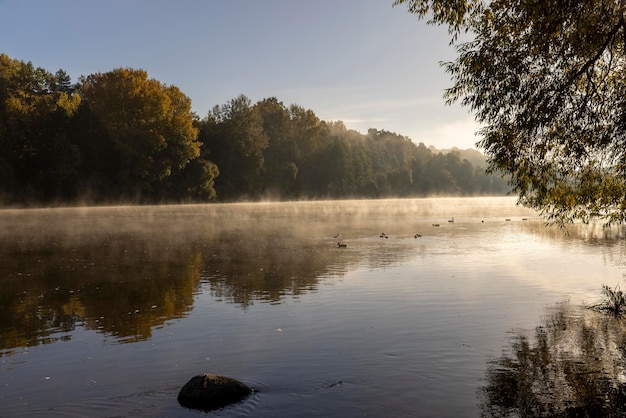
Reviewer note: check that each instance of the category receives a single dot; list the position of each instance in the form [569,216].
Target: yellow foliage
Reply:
[147,120]
[69,103]
[16,106]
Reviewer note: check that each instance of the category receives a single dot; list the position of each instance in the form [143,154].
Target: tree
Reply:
[547,80]
[37,160]
[195,182]
[234,139]
[310,135]
[145,127]
[280,169]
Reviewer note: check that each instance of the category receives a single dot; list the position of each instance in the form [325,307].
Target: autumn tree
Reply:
[38,162]
[144,127]
[546,80]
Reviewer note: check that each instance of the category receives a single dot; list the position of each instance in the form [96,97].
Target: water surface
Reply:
[109,311]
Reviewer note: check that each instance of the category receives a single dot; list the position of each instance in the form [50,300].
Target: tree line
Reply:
[121,136]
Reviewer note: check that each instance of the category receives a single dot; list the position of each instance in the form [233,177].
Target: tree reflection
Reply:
[124,273]
[267,266]
[593,234]
[573,367]
[119,285]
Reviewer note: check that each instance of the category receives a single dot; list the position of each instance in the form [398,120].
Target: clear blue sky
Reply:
[364,62]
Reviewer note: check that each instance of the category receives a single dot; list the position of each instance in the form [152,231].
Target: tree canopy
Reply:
[36,108]
[268,150]
[121,136]
[149,125]
[547,82]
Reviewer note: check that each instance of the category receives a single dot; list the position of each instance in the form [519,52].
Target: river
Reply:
[443,307]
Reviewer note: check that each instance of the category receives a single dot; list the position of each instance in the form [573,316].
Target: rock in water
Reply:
[210,391]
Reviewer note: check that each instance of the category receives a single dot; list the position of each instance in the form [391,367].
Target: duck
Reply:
[340,245]
[435,224]
[336,236]
[418,235]
[383,235]
[451,220]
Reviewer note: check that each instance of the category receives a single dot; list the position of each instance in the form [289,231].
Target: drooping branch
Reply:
[596,57]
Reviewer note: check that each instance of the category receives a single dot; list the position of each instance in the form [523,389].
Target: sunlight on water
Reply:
[109,311]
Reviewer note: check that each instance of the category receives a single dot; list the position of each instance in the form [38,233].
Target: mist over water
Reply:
[108,311]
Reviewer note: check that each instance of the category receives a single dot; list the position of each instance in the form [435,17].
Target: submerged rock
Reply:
[210,391]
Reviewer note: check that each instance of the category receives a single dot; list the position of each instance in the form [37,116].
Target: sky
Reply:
[363,62]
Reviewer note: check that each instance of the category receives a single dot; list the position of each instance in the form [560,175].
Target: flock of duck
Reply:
[418,235]
[382,235]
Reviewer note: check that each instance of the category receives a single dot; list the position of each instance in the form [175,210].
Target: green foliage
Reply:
[302,157]
[233,136]
[547,82]
[121,136]
[195,182]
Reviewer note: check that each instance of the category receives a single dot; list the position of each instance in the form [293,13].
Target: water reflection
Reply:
[115,285]
[593,235]
[573,366]
[398,318]
[124,271]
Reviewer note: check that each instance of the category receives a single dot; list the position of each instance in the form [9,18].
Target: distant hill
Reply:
[472,155]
